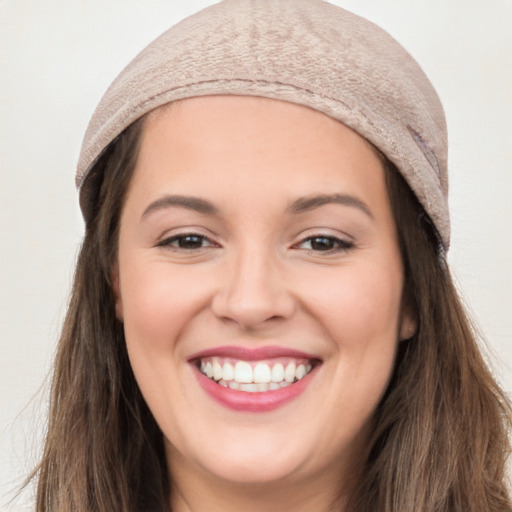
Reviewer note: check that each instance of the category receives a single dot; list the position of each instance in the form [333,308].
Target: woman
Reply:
[262,316]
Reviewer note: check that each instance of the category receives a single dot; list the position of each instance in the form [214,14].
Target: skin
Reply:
[259,276]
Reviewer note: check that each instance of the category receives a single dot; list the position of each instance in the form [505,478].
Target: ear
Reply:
[408,317]
[408,324]
[408,320]
[117,292]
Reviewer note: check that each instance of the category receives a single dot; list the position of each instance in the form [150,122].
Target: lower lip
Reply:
[244,401]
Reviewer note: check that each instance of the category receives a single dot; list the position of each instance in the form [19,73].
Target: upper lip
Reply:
[253,353]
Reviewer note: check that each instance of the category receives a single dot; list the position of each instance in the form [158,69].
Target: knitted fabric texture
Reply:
[307,52]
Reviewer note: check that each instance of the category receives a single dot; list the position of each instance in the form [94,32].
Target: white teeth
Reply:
[260,378]
[251,388]
[277,373]
[217,370]
[243,372]
[261,373]
[289,373]
[262,387]
[228,371]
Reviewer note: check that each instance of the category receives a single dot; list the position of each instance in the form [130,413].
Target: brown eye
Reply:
[186,242]
[190,242]
[325,244]
[322,243]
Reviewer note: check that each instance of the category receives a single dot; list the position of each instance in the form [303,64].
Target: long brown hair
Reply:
[440,439]
[103,451]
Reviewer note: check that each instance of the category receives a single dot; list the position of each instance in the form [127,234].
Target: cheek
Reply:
[158,303]
[150,313]
[360,313]
[358,310]
[360,307]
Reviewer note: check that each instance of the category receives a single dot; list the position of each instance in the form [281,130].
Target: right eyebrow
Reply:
[189,202]
[304,204]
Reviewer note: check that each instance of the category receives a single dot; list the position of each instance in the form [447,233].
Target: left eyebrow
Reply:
[305,204]
[188,202]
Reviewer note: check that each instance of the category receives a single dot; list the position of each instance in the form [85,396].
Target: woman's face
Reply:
[260,285]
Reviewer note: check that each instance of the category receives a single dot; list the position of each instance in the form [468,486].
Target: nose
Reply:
[254,291]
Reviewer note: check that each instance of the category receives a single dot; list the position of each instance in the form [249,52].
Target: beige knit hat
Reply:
[303,51]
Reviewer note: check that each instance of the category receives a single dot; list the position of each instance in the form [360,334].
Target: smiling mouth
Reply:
[255,376]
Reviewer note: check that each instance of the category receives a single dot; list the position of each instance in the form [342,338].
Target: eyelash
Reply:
[175,241]
[331,244]
[335,244]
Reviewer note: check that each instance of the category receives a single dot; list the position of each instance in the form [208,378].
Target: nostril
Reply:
[250,322]
[252,312]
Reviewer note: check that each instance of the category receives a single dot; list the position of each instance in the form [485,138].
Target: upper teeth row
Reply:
[243,372]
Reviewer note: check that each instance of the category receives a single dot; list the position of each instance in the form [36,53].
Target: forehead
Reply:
[246,112]
[221,143]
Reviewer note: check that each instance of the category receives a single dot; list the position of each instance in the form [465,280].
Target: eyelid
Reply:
[343,243]
[167,240]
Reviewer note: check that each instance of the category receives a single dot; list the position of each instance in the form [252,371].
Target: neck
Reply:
[253,498]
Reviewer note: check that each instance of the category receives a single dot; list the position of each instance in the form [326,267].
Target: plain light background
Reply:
[56,60]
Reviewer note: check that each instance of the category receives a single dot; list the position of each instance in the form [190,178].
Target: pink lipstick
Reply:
[254,379]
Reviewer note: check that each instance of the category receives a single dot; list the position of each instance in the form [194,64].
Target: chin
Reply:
[240,461]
